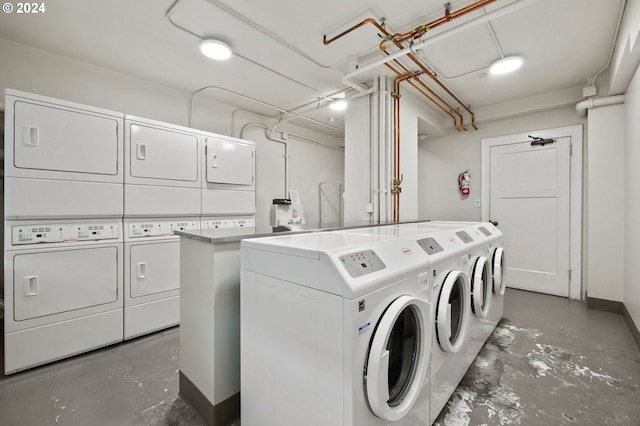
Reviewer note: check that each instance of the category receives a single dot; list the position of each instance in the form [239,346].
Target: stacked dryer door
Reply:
[63,241]
[62,159]
[161,193]
[228,181]
[152,273]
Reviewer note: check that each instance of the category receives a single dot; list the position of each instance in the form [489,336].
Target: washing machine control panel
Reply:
[430,245]
[231,222]
[156,229]
[63,233]
[485,231]
[362,263]
[464,237]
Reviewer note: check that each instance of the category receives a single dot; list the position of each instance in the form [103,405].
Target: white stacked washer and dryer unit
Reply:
[177,178]
[63,229]
[161,194]
[92,198]
[293,327]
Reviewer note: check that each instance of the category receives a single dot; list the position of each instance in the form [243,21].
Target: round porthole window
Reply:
[398,358]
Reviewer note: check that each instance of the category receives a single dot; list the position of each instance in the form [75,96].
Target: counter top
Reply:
[229,235]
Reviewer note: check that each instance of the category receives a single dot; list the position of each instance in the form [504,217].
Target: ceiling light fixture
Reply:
[338,105]
[215,49]
[506,65]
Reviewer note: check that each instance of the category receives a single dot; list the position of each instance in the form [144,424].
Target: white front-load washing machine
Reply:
[451,353]
[485,240]
[333,331]
[479,273]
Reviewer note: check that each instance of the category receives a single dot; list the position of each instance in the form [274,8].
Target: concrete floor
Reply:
[550,361]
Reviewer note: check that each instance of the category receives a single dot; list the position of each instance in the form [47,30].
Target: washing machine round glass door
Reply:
[498,268]
[398,358]
[452,311]
[480,287]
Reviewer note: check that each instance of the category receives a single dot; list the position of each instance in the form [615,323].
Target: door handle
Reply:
[31,285]
[214,161]
[30,136]
[142,270]
[141,151]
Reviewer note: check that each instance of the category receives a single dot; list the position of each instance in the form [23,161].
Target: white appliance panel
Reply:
[63,233]
[151,200]
[229,162]
[49,283]
[154,268]
[28,198]
[146,318]
[136,229]
[228,222]
[62,139]
[163,154]
[54,341]
[228,202]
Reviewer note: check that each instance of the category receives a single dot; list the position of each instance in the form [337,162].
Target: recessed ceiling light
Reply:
[506,65]
[338,105]
[215,49]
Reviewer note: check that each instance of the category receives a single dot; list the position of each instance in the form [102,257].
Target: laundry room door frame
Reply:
[575,191]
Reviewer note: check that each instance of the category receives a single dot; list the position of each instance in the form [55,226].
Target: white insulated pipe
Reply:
[583,106]
[346,79]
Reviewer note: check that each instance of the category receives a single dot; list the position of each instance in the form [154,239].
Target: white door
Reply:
[229,163]
[154,268]
[164,154]
[64,140]
[530,201]
[59,281]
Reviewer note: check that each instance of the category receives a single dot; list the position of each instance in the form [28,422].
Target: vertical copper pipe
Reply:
[438,82]
[427,88]
[396,138]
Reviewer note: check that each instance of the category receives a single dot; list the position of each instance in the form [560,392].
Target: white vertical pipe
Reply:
[382,158]
[374,151]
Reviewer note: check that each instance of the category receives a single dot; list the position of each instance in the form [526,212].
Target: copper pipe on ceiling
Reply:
[416,33]
[355,27]
[439,83]
[448,16]
[416,76]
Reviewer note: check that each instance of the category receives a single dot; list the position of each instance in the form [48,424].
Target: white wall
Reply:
[605,203]
[357,158]
[440,160]
[411,110]
[32,70]
[631,290]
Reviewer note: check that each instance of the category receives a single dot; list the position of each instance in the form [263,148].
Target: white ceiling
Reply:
[281,61]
